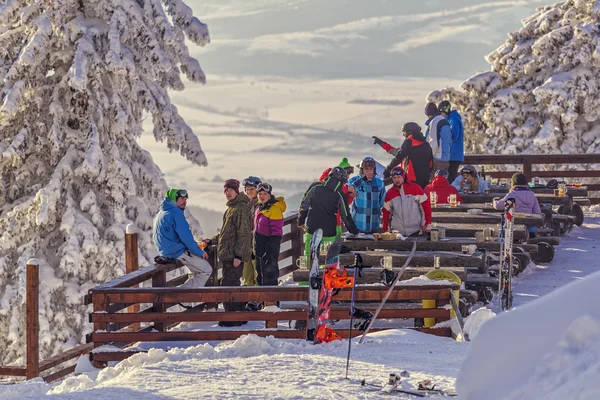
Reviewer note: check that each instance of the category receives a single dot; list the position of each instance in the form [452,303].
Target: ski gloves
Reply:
[376,140]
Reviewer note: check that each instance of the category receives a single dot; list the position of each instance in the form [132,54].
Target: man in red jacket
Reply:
[406,208]
[442,187]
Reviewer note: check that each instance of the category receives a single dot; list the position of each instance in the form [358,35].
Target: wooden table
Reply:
[447,244]
[520,232]
[486,218]
[571,190]
[476,261]
[542,197]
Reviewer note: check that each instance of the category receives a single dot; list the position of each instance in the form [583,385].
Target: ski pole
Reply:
[357,265]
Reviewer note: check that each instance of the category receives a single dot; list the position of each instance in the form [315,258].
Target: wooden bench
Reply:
[520,232]
[486,218]
[583,202]
[476,261]
[372,275]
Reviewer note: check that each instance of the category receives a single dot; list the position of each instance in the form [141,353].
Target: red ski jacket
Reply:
[443,188]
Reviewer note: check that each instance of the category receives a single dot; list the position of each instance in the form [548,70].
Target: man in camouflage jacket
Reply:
[234,241]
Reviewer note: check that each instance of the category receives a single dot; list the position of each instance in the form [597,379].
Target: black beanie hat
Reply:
[519,179]
[411,127]
[431,109]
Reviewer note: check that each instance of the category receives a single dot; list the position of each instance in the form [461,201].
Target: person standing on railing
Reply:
[442,188]
[439,137]
[234,242]
[268,230]
[406,208]
[249,274]
[457,149]
[414,155]
[173,238]
[369,192]
[525,200]
[320,205]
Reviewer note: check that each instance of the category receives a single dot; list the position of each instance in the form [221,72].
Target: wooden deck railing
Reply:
[34,368]
[551,166]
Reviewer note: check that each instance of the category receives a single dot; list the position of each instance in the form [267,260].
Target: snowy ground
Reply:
[253,367]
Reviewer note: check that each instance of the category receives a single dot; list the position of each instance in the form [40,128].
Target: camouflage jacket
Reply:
[235,238]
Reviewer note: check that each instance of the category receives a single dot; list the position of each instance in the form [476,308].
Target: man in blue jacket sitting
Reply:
[173,238]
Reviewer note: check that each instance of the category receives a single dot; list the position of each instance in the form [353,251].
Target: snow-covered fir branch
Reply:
[78,77]
[542,94]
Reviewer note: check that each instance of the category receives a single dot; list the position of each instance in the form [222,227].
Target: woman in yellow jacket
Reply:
[268,229]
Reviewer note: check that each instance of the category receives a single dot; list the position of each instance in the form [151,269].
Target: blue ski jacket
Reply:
[171,232]
[457,151]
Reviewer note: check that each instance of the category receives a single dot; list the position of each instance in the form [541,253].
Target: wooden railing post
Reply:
[297,245]
[33,323]
[132,263]
[159,279]
[526,168]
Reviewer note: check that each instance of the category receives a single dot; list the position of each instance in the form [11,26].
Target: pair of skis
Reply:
[505,296]
[335,278]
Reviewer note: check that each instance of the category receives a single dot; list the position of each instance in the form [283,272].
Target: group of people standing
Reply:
[247,244]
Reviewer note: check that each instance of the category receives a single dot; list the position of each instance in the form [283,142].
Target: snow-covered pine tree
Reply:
[77,78]
[542,94]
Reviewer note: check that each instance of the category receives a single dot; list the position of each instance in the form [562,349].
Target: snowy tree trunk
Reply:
[78,78]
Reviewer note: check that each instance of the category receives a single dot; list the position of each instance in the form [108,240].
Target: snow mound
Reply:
[549,340]
[474,322]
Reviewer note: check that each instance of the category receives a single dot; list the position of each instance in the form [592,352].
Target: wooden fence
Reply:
[34,368]
[548,163]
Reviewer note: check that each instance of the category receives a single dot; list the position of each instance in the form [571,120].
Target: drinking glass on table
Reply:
[562,189]
[452,200]
[577,183]
[386,262]
[433,198]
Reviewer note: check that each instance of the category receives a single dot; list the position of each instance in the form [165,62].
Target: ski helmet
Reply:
[442,172]
[398,170]
[339,173]
[445,106]
[251,181]
[368,162]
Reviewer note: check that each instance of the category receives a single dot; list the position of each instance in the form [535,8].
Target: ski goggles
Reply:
[264,187]
[397,171]
[251,181]
[368,162]
[467,171]
[181,193]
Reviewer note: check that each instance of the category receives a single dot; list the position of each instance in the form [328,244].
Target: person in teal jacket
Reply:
[457,149]
[173,238]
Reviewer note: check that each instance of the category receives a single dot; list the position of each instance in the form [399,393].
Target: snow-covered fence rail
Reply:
[559,166]
[34,368]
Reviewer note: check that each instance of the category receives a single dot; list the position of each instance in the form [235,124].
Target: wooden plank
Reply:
[286,269]
[447,244]
[230,335]
[113,355]
[253,293]
[285,254]
[553,240]
[60,374]
[297,314]
[520,232]
[373,275]
[131,260]
[33,319]
[67,355]
[485,218]
[13,371]
[503,159]
[421,258]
